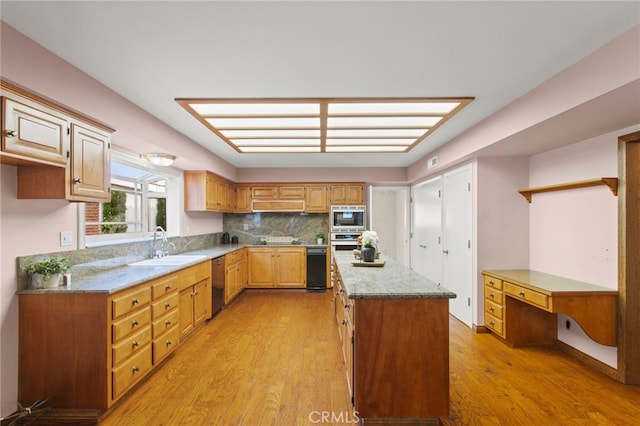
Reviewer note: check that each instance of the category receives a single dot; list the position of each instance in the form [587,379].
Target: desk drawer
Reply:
[530,296]
[490,281]
[493,295]
[494,324]
[493,309]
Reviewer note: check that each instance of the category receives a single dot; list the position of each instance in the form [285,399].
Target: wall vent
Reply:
[432,162]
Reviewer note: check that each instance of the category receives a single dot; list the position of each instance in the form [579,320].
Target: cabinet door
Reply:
[230,282]
[264,192]
[243,199]
[33,132]
[186,312]
[90,170]
[201,302]
[290,192]
[338,194]
[221,195]
[355,194]
[261,268]
[231,198]
[315,200]
[211,190]
[291,267]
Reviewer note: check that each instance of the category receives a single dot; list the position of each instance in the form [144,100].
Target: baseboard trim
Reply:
[596,364]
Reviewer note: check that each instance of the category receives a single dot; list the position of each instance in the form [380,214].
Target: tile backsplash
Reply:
[250,227]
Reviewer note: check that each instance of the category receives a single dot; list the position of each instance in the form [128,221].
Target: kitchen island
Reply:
[394,330]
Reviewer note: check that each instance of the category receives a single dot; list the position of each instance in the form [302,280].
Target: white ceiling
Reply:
[154,52]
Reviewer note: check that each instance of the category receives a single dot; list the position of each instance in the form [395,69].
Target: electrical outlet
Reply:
[66,238]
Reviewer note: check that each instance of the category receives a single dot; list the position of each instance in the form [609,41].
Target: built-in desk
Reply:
[521,306]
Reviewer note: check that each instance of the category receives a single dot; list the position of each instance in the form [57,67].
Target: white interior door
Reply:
[457,224]
[426,218]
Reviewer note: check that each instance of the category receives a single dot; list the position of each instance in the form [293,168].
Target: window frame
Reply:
[174,195]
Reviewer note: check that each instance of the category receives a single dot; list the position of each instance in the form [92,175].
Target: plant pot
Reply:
[368,254]
[50,281]
[319,241]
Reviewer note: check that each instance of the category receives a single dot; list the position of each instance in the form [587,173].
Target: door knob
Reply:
[10,133]
[445,251]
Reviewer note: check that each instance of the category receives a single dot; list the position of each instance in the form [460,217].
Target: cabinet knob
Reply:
[168,343]
[135,369]
[77,180]
[135,301]
[491,309]
[167,323]
[167,287]
[344,322]
[134,323]
[491,323]
[10,133]
[135,344]
[521,294]
[492,296]
[167,305]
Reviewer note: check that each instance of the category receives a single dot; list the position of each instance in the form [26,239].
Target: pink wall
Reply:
[574,233]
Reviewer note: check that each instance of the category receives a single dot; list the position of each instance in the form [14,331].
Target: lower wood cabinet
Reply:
[235,274]
[85,350]
[284,267]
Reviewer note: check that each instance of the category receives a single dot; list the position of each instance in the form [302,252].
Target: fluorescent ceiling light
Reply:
[323,125]
[160,159]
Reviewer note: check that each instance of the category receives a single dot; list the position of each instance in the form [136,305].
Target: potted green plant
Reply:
[319,237]
[47,273]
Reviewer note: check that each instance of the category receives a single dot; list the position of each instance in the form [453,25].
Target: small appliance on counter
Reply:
[234,239]
[225,238]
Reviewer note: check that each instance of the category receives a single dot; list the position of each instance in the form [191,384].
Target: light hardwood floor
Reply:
[272,358]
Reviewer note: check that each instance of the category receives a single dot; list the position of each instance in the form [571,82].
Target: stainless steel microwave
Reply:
[348,218]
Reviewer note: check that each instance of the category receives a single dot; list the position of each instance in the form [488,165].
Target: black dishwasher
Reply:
[316,269]
[217,284]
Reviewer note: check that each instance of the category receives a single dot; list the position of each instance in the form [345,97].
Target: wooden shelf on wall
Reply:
[611,182]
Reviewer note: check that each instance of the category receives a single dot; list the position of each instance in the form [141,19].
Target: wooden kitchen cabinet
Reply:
[206,191]
[195,297]
[347,194]
[33,132]
[243,199]
[316,199]
[235,274]
[343,308]
[59,154]
[86,350]
[270,267]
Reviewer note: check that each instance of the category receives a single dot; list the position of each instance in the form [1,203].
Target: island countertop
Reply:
[391,281]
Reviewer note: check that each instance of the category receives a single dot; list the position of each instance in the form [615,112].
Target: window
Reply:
[142,197]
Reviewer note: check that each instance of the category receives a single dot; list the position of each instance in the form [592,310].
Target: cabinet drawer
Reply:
[493,295]
[494,324]
[162,306]
[130,324]
[164,285]
[492,282]
[493,309]
[163,346]
[131,371]
[130,300]
[530,296]
[161,325]
[132,344]
[193,274]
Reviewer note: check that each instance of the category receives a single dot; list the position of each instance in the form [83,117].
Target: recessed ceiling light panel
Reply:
[323,125]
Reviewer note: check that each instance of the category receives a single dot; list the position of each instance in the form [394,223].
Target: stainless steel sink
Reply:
[175,260]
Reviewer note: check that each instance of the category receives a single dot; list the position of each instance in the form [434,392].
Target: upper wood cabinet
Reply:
[316,199]
[205,191]
[33,132]
[243,199]
[59,154]
[347,193]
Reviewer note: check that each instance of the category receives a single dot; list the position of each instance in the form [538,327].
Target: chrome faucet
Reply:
[159,253]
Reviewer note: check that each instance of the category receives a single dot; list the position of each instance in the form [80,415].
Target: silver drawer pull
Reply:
[135,369]
[134,323]
[521,293]
[167,323]
[135,301]
[135,344]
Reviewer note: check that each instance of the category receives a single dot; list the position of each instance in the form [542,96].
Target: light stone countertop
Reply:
[391,281]
[105,277]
